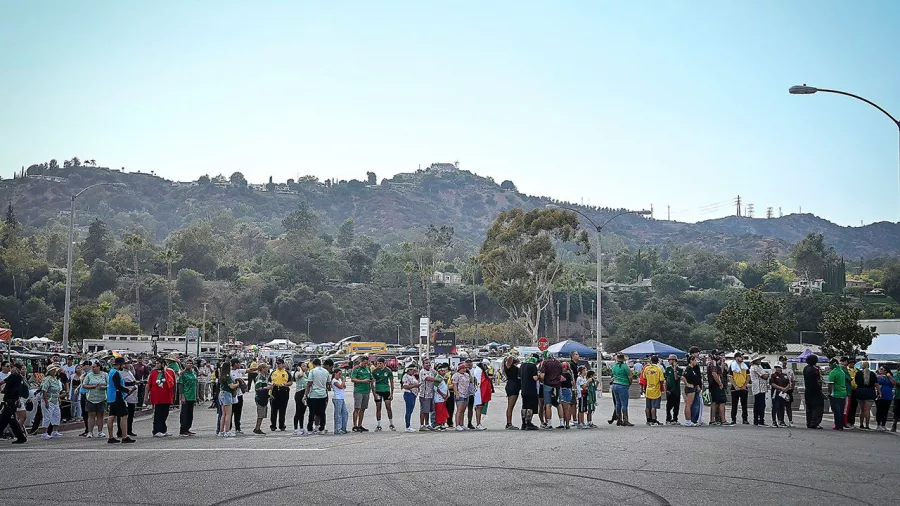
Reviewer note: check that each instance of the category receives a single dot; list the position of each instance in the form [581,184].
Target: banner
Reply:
[5,335]
[445,343]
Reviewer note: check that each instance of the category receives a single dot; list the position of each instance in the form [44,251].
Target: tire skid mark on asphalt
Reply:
[662,501]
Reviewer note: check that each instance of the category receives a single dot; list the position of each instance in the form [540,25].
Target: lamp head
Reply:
[802,90]
[643,212]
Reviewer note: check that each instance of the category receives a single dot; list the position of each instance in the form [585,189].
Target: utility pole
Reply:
[474,305]
[202,329]
[307,329]
[668,212]
[557,321]
[398,334]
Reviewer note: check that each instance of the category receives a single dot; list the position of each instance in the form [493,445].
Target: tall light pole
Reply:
[65,336]
[398,335]
[599,229]
[809,90]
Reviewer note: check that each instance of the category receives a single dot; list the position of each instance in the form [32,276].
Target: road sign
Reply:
[424,325]
[192,334]
[543,343]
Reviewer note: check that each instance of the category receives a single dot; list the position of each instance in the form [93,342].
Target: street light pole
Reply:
[809,90]
[599,229]
[398,335]
[307,328]
[67,312]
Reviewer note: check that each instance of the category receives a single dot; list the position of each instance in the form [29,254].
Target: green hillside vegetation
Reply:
[356,258]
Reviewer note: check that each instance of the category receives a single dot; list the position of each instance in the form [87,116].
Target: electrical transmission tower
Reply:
[749,210]
[769,214]
[737,202]
[780,214]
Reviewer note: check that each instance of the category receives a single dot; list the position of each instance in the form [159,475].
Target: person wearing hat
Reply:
[740,376]
[461,383]
[717,395]
[187,382]
[410,386]
[672,375]
[116,391]
[95,384]
[50,412]
[161,388]
[780,383]
[528,375]
[759,387]
[281,381]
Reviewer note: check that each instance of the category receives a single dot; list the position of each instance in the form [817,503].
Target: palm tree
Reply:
[105,309]
[136,243]
[169,256]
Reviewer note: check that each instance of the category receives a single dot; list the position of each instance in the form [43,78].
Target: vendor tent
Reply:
[279,342]
[565,348]
[884,347]
[40,340]
[650,347]
[802,357]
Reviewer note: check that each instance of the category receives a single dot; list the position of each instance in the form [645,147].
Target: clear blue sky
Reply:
[617,103]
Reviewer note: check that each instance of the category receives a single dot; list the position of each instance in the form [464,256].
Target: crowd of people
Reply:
[106,395]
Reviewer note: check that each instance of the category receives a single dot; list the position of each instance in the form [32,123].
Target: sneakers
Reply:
[113,441]
[782,425]
[510,426]
[561,426]
[424,428]
[391,426]
[410,429]
[480,427]
[128,440]
[459,428]
[361,429]
[471,427]
[544,426]
[530,426]
[101,434]
[56,434]
[259,432]
[731,424]
[378,428]
[592,426]
[688,423]
[46,437]
[89,435]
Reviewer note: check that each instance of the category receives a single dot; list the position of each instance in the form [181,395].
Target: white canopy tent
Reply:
[284,343]
[40,340]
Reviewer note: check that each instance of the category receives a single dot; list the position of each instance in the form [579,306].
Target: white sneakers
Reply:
[410,429]
[480,427]
[300,432]
[46,436]
[158,434]
[460,428]
[56,434]
[101,434]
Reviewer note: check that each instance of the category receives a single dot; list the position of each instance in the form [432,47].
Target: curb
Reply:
[80,425]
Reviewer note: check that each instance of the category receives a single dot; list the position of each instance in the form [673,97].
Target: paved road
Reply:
[609,465]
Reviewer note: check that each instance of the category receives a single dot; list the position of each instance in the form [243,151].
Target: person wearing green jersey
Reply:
[384,393]
[187,385]
[362,390]
[838,379]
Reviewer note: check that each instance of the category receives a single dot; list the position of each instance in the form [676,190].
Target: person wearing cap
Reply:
[130,400]
[14,386]
[95,384]
[361,377]
[672,374]
[237,406]
[281,381]
[410,386]
[654,387]
[116,391]
[740,376]
[188,397]
[50,412]
[812,394]
[780,383]
[837,397]
[528,375]
[263,390]
[161,388]
[461,383]
[759,387]
[550,372]
[384,393]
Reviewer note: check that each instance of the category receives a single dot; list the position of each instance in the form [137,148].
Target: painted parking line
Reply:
[122,450]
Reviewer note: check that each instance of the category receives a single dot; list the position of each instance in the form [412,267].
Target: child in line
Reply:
[591,400]
[581,392]
[441,393]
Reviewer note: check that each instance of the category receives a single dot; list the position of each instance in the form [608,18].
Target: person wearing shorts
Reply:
[94,383]
[116,391]
[51,387]
[384,393]
[362,389]
[427,378]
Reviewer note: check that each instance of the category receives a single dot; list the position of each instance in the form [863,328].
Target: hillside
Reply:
[396,209]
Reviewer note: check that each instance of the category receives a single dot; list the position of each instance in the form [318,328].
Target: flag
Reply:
[5,335]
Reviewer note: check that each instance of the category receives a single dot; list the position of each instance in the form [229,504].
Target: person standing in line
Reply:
[317,394]
[427,379]
[837,377]
[780,383]
[550,372]
[361,376]
[188,387]
[95,385]
[673,390]
[51,387]
[141,373]
[815,400]
[886,384]
[740,377]
[130,401]
[13,385]
[574,364]
[281,382]
[227,387]
[441,393]
[693,405]
[485,393]
[621,382]
[759,386]
[450,403]
[384,393]
[792,383]
[461,382]
[237,407]
[510,371]
[592,385]
[473,389]
[75,393]
[410,386]
[203,376]
[116,391]
[866,384]
[896,400]
[301,379]
[566,383]
[852,401]
[581,393]
[528,376]
[654,388]
[340,406]
[262,389]
[82,394]
[716,379]
[161,386]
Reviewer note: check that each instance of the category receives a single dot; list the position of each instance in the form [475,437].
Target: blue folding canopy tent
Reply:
[565,348]
[650,347]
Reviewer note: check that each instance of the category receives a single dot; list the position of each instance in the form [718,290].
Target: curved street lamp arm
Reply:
[579,212]
[75,196]
[873,104]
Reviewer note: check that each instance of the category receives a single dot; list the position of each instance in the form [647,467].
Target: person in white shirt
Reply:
[340,406]
[759,387]
[237,375]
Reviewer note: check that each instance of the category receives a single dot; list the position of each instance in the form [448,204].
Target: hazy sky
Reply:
[625,104]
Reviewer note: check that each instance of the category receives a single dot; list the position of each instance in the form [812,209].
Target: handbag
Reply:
[705,395]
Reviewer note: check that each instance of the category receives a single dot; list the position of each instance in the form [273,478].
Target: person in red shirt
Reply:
[161,388]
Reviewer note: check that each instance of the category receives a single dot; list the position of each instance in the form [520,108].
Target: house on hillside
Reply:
[184,184]
[803,285]
[443,167]
[642,285]
[52,179]
[257,187]
[732,281]
[858,283]
[447,278]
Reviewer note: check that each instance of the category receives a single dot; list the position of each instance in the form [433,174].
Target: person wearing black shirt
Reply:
[12,391]
[693,385]
[815,399]
[513,387]
[528,378]
[117,408]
